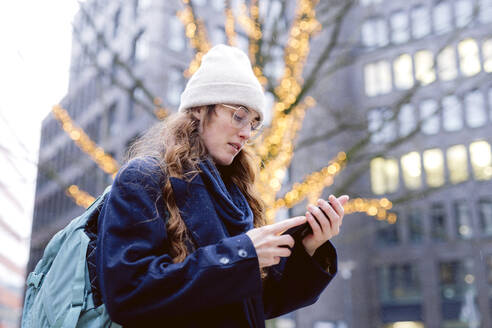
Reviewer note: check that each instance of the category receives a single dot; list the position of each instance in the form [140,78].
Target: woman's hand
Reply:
[324,227]
[269,244]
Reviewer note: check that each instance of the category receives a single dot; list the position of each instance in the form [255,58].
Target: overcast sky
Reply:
[34,65]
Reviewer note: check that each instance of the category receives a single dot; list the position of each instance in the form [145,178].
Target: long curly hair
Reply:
[179,148]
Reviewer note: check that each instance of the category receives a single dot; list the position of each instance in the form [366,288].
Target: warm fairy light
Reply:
[372,207]
[196,33]
[313,185]
[82,140]
[80,197]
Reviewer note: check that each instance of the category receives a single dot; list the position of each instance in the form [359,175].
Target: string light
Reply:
[250,24]
[372,207]
[80,197]
[159,111]
[107,163]
[196,33]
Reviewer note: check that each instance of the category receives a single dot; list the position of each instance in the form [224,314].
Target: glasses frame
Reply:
[255,132]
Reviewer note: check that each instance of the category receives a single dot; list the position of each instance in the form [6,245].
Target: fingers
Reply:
[279,227]
[317,230]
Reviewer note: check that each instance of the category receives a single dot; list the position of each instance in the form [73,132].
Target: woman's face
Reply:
[222,139]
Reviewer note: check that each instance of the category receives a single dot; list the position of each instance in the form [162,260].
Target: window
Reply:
[452,113]
[475,109]
[424,67]
[469,61]
[485,209]
[434,167]
[463,219]
[442,17]
[399,284]
[456,160]
[384,175]
[406,119]
[176,35]
[399,27]
[381,125]
[411,170]
[481,160]
[446,64]
[387,233]
[377,78]
[402,67]
[438,222]
[487,55]
[420,22]
[374,33]
[464,11]
[457,291]
[415,225]
[429,116]
[485,10]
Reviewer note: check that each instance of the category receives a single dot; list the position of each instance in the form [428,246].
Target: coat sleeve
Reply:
[299,280]
[139,281]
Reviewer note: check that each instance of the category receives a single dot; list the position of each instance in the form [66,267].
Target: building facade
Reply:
[420,73]
[421,77]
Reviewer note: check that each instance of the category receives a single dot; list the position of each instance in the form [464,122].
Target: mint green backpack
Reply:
[58,291]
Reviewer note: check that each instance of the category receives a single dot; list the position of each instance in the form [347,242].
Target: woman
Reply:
[182,240]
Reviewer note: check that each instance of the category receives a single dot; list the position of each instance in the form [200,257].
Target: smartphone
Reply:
[301,231]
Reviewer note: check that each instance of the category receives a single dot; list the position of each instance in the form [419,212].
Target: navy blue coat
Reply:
[218,284]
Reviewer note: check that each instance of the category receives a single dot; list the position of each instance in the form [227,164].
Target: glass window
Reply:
[442,17]
[485,209]
[387,233]
[485,11]
[406,119]
[429,116]
[420,22]
[399,284]
[176,36]
[463,12]
[424,67]
[434,167]
[469,60]
[458,293]
[452,113]
[446,64]
[384,175]
[438,222]
[456,160]
[377,77]
[399,27]
[374,32]
[487,55]
[463,219]
[481,160]
[415,225]
[475,109]
[402,67]
[411,170]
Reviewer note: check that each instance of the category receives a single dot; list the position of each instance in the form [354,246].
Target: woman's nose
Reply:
[245,132]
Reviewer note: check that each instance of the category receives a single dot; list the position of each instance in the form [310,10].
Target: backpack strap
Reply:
[78,290]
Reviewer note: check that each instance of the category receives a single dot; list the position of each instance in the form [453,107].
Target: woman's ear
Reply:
[198,113]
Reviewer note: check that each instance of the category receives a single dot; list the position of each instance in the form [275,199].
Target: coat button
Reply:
[242,253]
[224,260]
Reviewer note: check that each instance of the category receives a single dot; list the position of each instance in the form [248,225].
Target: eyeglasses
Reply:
[242,116]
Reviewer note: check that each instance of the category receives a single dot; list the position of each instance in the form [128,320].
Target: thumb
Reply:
[343,199]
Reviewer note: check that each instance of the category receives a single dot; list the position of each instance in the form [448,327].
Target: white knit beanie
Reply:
[225,76]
